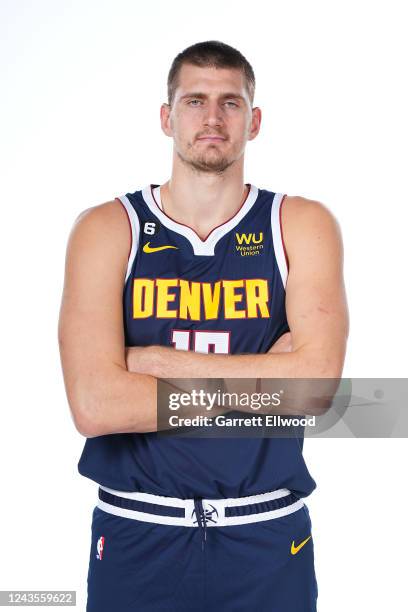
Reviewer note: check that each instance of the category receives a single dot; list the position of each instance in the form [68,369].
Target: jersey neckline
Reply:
[200,247]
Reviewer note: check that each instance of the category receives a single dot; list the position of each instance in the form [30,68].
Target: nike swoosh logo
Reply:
[295,549]
[148,249]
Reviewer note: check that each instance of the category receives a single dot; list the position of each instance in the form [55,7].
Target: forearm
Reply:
[114,401]
[119,401]
[314,372]
[165,362]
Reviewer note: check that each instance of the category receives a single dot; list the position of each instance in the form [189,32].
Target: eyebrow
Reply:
[203,96]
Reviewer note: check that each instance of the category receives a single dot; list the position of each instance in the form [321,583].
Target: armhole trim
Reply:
[277,237]
[134,229]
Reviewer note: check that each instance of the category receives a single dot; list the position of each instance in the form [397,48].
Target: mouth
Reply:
[211,139]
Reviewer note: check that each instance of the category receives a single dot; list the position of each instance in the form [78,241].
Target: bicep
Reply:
[316,303]
[90,328]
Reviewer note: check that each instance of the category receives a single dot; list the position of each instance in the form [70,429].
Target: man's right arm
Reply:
[103,396]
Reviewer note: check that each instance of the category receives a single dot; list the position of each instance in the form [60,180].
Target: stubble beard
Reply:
[205,162]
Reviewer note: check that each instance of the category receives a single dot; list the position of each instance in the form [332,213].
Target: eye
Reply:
[195,100]
[233,103]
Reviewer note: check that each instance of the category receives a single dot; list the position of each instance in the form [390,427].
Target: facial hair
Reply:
[205,163]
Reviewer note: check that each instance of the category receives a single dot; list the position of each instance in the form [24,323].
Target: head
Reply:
[209,113]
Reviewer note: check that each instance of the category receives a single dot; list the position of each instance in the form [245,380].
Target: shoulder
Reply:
[102,230]
[299,213]
[297,206]
[107,220]
[307,222]
[110,212]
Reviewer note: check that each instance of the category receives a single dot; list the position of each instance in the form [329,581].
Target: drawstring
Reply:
[201,519]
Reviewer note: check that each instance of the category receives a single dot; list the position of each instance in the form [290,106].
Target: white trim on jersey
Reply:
[278,238]
[209,505]
[156,195]
[135,227]
[200,247]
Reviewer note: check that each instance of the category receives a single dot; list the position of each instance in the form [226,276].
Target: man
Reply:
[204,277]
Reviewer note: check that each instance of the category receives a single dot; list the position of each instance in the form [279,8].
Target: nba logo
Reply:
[99,547]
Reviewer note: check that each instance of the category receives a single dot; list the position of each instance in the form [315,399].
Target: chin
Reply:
[204,166]
[207,163]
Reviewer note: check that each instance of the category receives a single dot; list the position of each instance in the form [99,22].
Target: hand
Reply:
[283,344]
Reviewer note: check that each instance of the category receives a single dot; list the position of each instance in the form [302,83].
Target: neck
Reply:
[203,200]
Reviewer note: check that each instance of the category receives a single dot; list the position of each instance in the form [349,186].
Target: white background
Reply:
[82,82]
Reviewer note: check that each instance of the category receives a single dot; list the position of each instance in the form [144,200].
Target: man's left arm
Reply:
[316,309]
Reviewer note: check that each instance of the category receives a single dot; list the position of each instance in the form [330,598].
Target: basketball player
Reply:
[203,276]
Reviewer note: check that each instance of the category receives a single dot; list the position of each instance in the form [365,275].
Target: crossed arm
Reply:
[105,382]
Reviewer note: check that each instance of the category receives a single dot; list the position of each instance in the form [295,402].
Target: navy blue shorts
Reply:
[265,566]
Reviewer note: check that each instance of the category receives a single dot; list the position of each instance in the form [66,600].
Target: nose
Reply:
[213,115]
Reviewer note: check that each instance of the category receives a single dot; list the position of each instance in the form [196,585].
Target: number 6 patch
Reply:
[151,228]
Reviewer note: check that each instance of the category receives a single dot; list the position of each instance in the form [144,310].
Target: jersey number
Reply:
[202,341]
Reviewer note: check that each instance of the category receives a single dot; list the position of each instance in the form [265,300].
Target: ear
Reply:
[255,123]
[165,119]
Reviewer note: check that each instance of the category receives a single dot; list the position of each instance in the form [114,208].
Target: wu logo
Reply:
[249,238]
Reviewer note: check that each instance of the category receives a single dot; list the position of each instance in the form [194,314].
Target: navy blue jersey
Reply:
[224,294]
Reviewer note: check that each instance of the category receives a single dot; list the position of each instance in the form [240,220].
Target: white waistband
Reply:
[214,509]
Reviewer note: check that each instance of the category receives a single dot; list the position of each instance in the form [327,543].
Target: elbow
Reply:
[85,425]
[88,429]
[86,419]
[320,380]
[328,377]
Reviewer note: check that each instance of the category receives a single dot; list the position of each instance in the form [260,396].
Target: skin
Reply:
[211,169]
[105,380]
